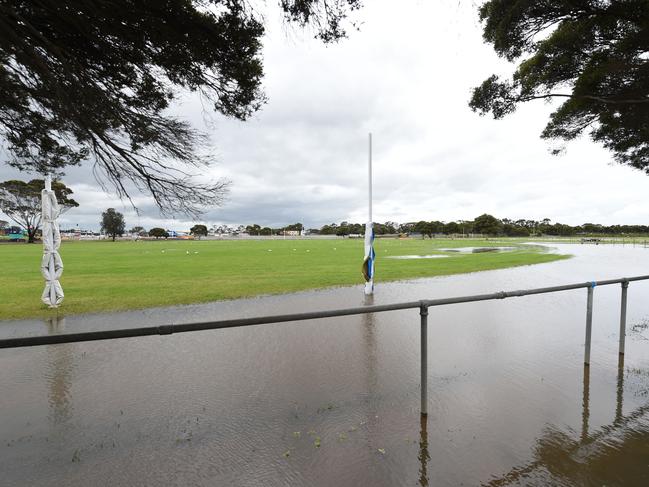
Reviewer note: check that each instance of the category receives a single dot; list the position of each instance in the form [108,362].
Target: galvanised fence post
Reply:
[625,288]
[423,314]
[589,323]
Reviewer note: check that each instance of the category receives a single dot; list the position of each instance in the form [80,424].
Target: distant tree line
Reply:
[113,225]
[485,225]
[255,229]
[346,228]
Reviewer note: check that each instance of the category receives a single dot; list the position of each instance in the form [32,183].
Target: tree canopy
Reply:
[158,232]
[199,231]
[95,80]
[594,54]
[487,224]
[21,201]
[112,223]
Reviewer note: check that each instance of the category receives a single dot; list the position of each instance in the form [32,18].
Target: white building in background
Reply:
[77,234]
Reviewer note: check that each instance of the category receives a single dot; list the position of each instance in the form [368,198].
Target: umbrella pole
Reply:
[52,287]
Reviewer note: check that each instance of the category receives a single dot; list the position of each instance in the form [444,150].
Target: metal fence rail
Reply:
[423,306]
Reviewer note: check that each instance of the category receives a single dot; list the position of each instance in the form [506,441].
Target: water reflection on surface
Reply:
[60,365]
[336,401]
[613,454]
[423,450]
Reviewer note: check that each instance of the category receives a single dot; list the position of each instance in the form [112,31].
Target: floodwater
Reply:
[478,250]
[410,257]
[335,402]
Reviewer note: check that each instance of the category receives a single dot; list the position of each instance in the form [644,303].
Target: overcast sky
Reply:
[406,76]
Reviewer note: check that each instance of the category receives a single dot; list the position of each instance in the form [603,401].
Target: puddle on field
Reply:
[409,257]
[477,250]
[336,401]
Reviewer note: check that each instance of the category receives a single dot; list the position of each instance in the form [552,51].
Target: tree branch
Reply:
[587,97]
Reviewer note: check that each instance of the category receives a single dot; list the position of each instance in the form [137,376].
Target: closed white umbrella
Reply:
[51,265]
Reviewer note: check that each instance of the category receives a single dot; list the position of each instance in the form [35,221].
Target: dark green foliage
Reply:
[592,53]
[112,223]
[21,201]
[384,228]
[327,16]
[198,231]
[487,225]
[490,225]
[451,228]
[424,227]
[158,232]
[94,79]
[296,227]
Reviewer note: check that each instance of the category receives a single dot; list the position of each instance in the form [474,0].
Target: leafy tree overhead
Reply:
[21,201]
[112,223]
[199,231]
[594,54]
[94,80]
[158,233]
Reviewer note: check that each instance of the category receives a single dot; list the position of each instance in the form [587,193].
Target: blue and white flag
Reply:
[370,256]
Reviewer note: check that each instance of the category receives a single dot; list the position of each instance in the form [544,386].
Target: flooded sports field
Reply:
[335,402]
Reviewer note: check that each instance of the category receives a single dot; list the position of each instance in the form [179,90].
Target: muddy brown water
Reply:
[335,402]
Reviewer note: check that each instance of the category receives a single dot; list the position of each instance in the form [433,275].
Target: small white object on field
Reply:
[195,252]
[270,250]
[187,252]
[163,251]
[308,251]
[334,248]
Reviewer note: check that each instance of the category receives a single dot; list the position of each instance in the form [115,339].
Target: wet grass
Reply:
[107,276]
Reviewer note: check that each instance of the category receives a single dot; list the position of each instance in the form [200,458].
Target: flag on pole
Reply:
[368,263]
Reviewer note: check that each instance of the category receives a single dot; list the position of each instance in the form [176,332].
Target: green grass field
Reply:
[107,276]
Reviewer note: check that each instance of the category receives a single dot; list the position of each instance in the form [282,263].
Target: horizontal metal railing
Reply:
[422,305]
[169,329]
